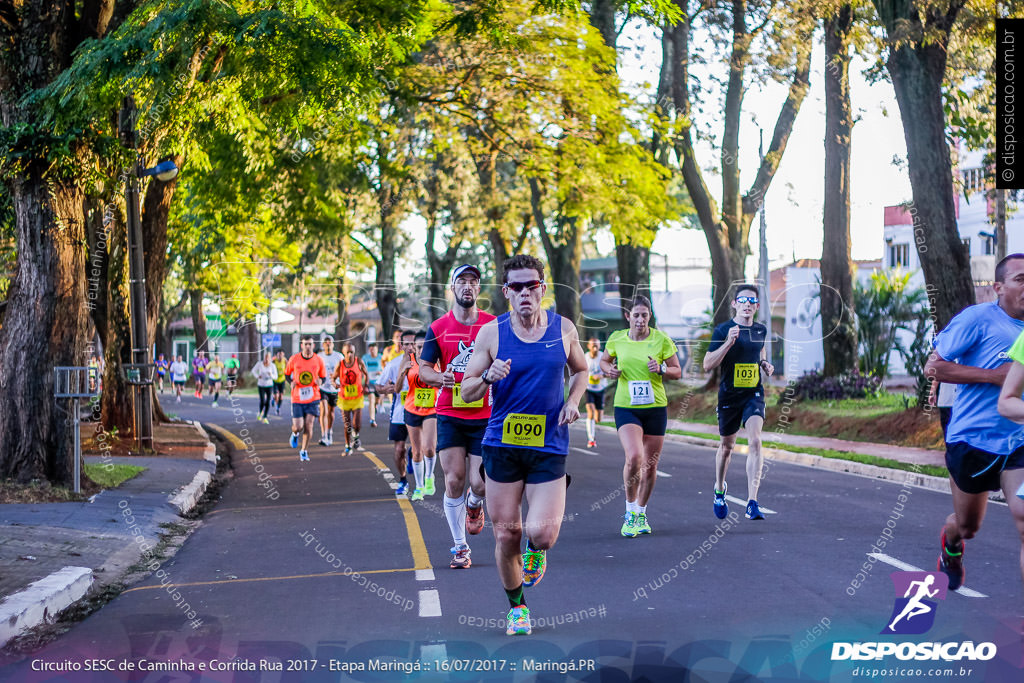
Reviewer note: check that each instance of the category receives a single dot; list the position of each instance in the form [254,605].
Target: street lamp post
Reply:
[766,315]
[137,275]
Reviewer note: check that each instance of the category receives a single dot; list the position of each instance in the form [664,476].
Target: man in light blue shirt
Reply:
[980,451]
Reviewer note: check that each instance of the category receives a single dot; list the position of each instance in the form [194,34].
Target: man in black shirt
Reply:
[738,347]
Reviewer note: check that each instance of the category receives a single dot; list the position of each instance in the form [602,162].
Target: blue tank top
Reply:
[526,403]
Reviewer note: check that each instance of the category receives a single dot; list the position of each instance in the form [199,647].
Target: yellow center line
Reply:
[270,578]
[420,556]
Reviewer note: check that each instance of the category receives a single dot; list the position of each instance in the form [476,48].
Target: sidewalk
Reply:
[911,456]
[906,455]
[51,554]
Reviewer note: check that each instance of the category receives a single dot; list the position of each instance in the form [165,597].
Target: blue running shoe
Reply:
[294,440]
[303,456]
[403,488]
[753,512]
[721,507]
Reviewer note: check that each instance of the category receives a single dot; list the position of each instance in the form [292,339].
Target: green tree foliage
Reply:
[886,305]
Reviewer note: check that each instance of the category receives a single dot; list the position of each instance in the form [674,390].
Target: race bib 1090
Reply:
[523,430]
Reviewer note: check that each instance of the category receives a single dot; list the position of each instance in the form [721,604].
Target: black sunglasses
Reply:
[520,286]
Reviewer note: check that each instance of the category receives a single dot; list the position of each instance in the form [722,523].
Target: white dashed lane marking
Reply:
[899,564]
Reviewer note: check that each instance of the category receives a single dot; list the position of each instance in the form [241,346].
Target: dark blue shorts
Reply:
[413,420]
[330,396]
[734,411]
[506,465]
[279,387]
[977,471]
[653,421]
[300,410]
[397,432]
[597,398]
[456,432]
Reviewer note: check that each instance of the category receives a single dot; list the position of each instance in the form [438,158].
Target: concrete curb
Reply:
[210,454]
[925,481]
[187,498]
[42,600]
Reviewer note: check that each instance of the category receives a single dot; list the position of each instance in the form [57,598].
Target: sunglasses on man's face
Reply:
[520,286]
[746,299]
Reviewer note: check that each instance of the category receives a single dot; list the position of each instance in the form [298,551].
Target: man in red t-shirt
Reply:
[460,425]
[305,370]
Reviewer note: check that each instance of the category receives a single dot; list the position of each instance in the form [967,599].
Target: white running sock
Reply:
[430,466]
[631,506]
[417,470]
[641,509]
[590,429]
[455,511]
[473,500]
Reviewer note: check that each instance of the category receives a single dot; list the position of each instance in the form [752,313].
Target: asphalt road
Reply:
[319,568]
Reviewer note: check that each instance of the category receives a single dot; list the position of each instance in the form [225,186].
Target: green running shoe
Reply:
[428,486]
[519,621]
[629,529]
[642,526]
[534,564]
[417,495]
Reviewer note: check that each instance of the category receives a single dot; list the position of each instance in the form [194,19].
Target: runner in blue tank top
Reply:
[522,356]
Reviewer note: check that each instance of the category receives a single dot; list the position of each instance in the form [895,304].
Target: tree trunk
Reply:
[98,237]
[387,295]
[633,261]
[499,304]
[563,253]
[838,321]
[634,264]
[195,297]
[44,323]
[156,206]
[45,316]
[728,230]
[917,79]
[118,400]
[917,66]
[564,262]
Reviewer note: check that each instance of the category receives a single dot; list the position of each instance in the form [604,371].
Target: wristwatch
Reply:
[484,376]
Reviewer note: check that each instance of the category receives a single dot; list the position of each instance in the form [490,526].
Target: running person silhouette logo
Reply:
[916,595]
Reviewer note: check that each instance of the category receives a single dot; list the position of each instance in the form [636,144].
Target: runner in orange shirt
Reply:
[421,420]
[304,371]
[351,377]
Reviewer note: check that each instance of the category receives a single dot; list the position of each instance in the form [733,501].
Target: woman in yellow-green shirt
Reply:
[639,359]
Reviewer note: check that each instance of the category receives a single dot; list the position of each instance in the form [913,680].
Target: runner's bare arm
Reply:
[473,385]
[428,375]
[956,373]
[608,366]
[1010,404]
[673,370]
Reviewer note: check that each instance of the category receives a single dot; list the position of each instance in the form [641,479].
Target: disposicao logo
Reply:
[916,595]
[913,613]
